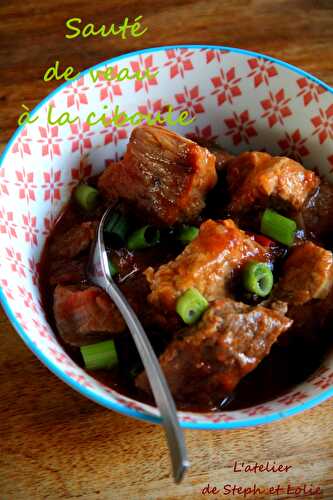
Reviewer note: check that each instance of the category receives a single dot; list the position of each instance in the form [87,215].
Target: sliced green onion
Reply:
[116,228]
[147,236]
[112,268]
[278,227]
[86,196]
[191,305]
[258,278]
[99,356]
[188,234]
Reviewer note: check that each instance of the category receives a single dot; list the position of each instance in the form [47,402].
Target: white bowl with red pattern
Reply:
[242,99]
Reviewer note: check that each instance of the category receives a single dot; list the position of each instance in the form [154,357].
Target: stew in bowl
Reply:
[225,258]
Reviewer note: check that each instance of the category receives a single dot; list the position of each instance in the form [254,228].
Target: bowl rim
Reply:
[89,392]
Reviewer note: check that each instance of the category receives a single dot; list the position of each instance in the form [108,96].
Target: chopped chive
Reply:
[112,268]
[99,356]
[188,234]
[86,197]
[191,305]
[116,229]
[258,278]
[278,227]
[144,237]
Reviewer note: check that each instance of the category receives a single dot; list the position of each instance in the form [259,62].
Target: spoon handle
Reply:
[159,386]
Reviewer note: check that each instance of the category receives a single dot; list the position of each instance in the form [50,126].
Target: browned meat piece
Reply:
[255,177]
[163,174]
[307,274]
[222,156]
[64,272]
[311,320]
[317,215]
[74,241]
[136,290]
[85,315]
[208,263]
[210,359]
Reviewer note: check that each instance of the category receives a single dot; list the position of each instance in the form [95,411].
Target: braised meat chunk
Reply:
[74,241]
[162,174]
[307,274]
[222,155]
[317,215]
[208,263]
[312,320]
[62,272]
[211,357]
[258,179]
[85,315]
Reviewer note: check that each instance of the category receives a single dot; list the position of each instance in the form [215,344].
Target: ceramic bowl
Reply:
[241,99]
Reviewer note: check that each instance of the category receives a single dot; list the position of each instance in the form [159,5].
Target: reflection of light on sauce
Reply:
[223,403]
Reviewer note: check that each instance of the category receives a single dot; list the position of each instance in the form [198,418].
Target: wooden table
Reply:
[53,442]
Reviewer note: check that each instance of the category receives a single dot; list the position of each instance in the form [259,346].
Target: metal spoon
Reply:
[99,274]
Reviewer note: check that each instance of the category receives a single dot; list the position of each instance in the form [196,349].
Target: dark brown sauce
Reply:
[292,359]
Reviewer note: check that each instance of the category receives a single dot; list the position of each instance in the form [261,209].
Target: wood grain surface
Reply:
[56,444]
